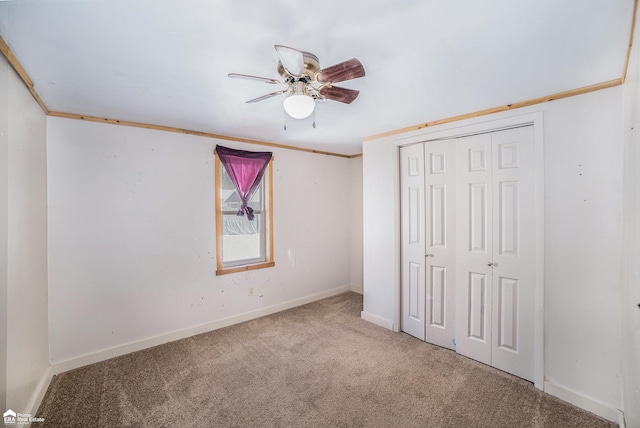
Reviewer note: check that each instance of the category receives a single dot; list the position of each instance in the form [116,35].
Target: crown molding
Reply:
[188,132]
[15,64]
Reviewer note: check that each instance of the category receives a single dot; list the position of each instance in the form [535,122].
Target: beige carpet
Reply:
[318,365]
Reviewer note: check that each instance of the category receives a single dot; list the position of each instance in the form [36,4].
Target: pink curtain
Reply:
[245,170]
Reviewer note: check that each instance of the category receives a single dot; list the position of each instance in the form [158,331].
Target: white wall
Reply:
[355,235]
[24,241]
[631,244]
[583,235]
[4,224]
[132,237]
[583,217]
[381,216]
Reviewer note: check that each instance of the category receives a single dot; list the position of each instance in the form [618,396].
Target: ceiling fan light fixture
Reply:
[299,106]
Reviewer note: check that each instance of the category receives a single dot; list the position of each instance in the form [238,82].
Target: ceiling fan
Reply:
[307,83]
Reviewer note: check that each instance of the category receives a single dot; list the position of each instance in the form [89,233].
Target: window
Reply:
[243,243]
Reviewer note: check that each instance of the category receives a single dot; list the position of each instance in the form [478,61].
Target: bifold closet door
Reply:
[514,251]
[474,213]
[440,256]
[413,240]
[496,249]
[428,241]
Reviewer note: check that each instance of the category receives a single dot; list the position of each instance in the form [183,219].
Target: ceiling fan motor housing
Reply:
[311,66]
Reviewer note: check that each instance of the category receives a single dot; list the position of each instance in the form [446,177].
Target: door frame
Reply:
[473,126]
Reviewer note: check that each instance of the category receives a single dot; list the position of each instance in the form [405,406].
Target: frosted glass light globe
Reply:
[299,106]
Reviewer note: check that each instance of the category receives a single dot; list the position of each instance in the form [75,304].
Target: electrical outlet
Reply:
[250,291]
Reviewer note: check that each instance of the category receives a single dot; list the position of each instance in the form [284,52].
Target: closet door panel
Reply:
[474,247]
[440,254]
[514,252]
[413,240]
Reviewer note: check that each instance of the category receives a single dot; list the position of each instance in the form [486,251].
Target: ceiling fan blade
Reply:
[342,95]
[264,97]
[246,76]
[292,60]
[347,70]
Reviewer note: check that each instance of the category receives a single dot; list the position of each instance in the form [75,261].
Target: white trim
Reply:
[468,127]
[357,288]
[397,223]
[39,392]
[496,123]
[538,318]
[116,351]
[385,323]
[586,403]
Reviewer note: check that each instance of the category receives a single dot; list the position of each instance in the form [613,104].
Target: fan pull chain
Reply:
[314,118]
[285,119]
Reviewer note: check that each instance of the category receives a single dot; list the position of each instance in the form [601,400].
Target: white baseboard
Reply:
[357,288]
[127,348]
[382,322]
[586,403]
[39,392]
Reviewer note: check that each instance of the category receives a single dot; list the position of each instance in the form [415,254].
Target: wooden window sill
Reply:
[236,269]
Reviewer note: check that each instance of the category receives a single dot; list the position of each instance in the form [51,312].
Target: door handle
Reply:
[492,264]
[428,255]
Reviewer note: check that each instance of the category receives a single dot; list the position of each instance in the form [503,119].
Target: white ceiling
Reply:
[165,62]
